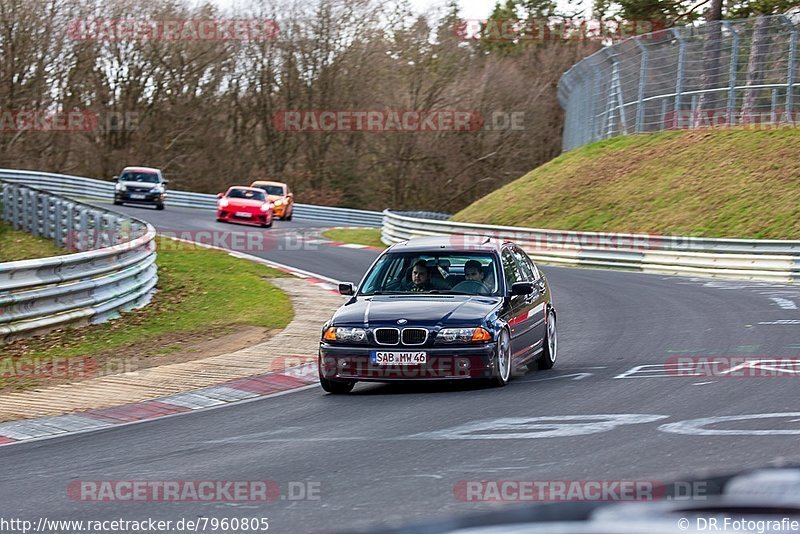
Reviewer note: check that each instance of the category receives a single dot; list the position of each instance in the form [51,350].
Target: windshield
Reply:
[145,177]
[246,193]
[451,273]
[272,189]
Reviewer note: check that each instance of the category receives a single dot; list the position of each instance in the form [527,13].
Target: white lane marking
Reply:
[785,304]
[702,383]
[577,376]
[696,427]
[538,427]
[782,322]
[657,370]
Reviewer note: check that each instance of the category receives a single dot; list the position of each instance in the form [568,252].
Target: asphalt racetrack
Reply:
[612,409]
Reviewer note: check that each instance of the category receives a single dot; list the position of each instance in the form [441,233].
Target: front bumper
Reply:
[257,218]
[147,198]
[445,363]
[280,211]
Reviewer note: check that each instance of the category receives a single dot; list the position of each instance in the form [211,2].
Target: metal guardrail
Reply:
[114,269]
[737,72]
[769,260]
[90,189]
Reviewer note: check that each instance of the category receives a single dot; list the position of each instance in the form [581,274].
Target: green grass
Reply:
[714,183]
[200,292]
[357,236]
[18,245]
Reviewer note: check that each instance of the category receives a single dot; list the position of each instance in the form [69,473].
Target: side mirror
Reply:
[166,182]
[521,288]
[115,179]
[346,289]
[219,195]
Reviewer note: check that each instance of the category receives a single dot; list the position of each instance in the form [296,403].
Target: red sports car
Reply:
[247,205]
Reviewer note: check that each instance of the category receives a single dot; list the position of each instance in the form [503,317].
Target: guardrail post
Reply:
[642,85]
[681,66]
[15,203]
[732,74]
[792,68]
[8,210]
[83,230]
[596,77]
[69,239]
[58,225]
[773,108]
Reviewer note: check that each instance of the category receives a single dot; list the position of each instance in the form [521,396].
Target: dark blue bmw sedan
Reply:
[441,308]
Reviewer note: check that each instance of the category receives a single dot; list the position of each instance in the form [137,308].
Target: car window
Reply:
[510,268]
[272,189]
[525,264]
[144,177]
[441,272]
[246,193]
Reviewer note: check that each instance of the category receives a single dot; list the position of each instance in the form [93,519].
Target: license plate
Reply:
[244,214]
[137,196]
[399,358]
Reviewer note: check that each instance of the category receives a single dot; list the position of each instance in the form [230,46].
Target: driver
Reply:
[473,271]
[420,277]
[473,274]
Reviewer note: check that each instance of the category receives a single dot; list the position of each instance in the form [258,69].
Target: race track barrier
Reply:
[91,189]
[751,259]
[113,268]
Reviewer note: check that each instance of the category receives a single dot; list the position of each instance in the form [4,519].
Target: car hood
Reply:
[426,310]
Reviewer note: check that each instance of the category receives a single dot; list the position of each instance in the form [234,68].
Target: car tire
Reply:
[117,203]
[337,387]
[502,372]
[267,225]
[288,217]
[159,206]
[550,352]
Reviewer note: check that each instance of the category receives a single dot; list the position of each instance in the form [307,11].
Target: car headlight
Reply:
[120,187]
[265,206]
[278,202]
[157,189]
[345,335]
[223,203]
[463,335]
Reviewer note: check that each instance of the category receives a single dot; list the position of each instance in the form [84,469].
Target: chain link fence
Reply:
[728,73]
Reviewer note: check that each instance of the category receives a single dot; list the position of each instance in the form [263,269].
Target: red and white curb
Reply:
[232,391]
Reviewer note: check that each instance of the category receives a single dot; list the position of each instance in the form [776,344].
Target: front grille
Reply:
[414,336]
[387,336]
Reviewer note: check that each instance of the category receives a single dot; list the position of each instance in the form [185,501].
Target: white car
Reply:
[140,185]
